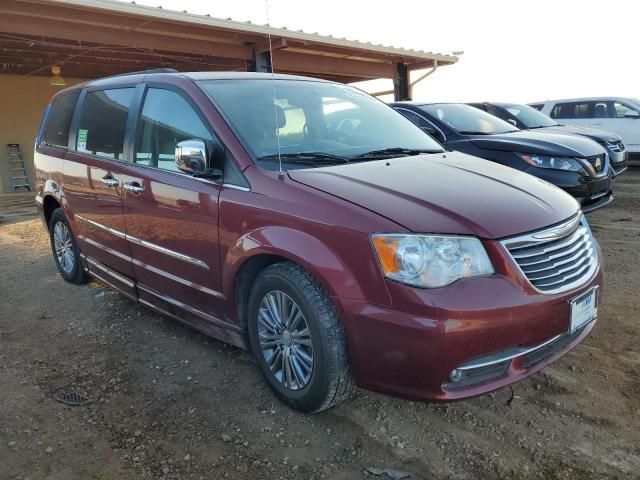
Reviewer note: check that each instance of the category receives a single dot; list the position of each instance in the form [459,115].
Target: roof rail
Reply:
[145,72]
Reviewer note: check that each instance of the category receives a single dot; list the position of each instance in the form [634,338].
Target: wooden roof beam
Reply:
[98,56]
[17,24]
[110,19]
[330,66]
[276,44]
[128,66]
[19,48]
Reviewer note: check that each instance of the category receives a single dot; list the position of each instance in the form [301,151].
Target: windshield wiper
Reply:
[471,132]
[393,152]
[310,158]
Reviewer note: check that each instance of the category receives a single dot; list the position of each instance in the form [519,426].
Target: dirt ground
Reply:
[171,403]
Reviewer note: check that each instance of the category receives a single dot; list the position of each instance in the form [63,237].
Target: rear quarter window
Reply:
[55,131]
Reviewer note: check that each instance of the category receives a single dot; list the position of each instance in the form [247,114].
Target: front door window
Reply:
[167,118]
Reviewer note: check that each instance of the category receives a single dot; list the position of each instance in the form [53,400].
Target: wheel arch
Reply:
[53,197]
[49,205]
[259,249]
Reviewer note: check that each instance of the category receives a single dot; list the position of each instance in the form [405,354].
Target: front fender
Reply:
[299,247]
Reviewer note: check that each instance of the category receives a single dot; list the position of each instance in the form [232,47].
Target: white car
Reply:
[614,114]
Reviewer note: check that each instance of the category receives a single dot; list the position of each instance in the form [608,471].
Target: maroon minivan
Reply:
[316,226]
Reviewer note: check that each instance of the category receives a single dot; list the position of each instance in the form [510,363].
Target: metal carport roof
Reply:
[93,38]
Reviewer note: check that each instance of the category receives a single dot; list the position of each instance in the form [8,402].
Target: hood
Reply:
[597,135]
[542,143]
[446,193]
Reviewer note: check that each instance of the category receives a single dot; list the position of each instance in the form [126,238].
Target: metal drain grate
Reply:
[72,398]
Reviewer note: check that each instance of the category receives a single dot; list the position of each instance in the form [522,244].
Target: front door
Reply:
[622,120]
[172,217]
[93,184]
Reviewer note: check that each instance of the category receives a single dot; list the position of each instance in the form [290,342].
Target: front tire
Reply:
[297,339]
[66,253]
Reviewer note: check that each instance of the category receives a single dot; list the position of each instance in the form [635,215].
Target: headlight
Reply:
[545,161]
[430,260]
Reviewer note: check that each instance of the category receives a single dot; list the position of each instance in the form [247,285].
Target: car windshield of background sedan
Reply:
[531,117]
[311,124]
[468,120]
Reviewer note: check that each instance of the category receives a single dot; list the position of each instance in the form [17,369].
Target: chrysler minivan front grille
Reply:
[556,259]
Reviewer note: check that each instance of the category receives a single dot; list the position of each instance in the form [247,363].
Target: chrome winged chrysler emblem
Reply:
[557,232]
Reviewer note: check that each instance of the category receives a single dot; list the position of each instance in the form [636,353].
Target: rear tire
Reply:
[66,253]
[297,339]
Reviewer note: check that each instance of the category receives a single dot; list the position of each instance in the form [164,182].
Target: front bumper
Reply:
[594,204]
[620,170]
[616,157]
[591,192]
[618,161]
[410,348]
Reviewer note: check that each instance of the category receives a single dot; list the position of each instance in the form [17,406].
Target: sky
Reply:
[514,51]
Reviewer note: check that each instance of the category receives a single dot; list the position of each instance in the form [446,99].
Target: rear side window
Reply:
[423,124]
[416,119]
[481,106]
[167,118]
[103,123]
[56,128]
[571,110]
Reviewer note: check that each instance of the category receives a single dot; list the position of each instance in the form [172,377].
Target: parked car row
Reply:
[619,115]
[573,162]
[528,118]
[317,227]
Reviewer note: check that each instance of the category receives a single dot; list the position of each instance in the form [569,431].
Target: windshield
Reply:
[467,120]
[314,123]
[531,117]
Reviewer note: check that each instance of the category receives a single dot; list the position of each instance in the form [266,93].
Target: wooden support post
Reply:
[261,62]
[401,85]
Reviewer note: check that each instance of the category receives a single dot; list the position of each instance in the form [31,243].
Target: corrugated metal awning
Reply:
[93,38]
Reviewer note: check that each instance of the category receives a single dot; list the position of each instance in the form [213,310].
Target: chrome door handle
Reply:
[109,180]
[134,187]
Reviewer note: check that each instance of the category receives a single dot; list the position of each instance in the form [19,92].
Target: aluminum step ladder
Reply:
[18,172]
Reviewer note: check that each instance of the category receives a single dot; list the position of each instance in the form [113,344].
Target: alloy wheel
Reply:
[64,247]
[285,340]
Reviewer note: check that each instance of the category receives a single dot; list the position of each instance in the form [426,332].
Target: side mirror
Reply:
[512,122]
[192,158]
[632,114]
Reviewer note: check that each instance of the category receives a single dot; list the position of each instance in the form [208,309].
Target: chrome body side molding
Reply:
[146,244]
